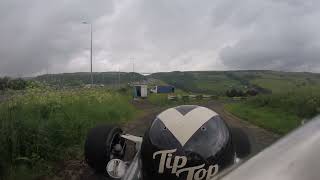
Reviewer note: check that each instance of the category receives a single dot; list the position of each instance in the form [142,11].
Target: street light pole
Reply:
[91,75]
[91,55]
[118,76]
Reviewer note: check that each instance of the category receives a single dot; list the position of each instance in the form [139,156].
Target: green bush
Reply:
[17,84]
[14,84]
[304,104]
[4,83]
[46,127]
[235,93]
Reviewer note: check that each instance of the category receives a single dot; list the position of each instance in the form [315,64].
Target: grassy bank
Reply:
[278,112]
[40,128]
[272,119]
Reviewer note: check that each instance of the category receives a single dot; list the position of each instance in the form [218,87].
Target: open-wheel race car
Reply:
[184,142]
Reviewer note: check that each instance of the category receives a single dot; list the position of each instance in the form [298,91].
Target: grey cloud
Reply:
[161,35]
[285,37]
[37,34]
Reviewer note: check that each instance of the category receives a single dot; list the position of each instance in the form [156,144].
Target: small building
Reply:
[163,89]
[140,91]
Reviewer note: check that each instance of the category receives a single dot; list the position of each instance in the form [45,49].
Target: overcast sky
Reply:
[160,35]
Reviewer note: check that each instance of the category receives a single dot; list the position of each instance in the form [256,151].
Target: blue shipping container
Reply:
[165,89]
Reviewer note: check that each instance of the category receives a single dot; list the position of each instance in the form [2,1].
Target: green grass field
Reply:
[269,118]
[43,127]
[279,112]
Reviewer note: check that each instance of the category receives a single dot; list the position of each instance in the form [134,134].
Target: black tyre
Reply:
[241,142]
[98,149]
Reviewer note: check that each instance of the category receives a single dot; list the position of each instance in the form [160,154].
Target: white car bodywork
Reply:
[294,157]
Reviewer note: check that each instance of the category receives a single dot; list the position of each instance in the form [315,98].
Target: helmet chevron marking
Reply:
[184,126]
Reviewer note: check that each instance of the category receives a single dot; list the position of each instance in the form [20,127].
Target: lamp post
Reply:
[91,75]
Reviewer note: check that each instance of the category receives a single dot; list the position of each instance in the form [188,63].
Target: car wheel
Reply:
[102,145]
[241,142]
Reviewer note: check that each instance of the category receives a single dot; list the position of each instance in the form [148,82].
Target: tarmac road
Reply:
[258,137]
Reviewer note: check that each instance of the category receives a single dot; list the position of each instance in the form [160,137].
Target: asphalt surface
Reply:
[258,137]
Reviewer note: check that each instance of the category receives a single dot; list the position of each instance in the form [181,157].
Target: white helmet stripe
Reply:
[183,127]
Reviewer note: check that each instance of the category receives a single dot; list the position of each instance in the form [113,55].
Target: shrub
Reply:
[235,93]
[301,103]
[4,83]
[17,84]
[50,126]
[252,92]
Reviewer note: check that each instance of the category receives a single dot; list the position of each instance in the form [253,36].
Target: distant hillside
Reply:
[81,78]
[218,82]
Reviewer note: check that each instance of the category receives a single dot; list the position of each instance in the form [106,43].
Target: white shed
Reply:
[140,91]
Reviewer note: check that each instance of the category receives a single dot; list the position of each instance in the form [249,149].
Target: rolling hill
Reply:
[82,78]
[211,82]
[218,82]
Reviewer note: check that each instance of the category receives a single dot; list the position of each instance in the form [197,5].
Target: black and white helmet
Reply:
[186,142]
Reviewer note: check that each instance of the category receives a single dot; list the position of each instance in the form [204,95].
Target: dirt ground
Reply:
[259,138]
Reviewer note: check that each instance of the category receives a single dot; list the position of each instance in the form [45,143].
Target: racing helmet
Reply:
[186,142]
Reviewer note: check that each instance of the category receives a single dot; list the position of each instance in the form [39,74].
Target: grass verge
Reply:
[278,121]
[41,128]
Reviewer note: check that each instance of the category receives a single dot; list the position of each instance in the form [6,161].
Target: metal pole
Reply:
[91,55]
[133,71]
[119,77]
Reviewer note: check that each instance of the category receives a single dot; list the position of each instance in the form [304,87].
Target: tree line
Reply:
[15,84]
